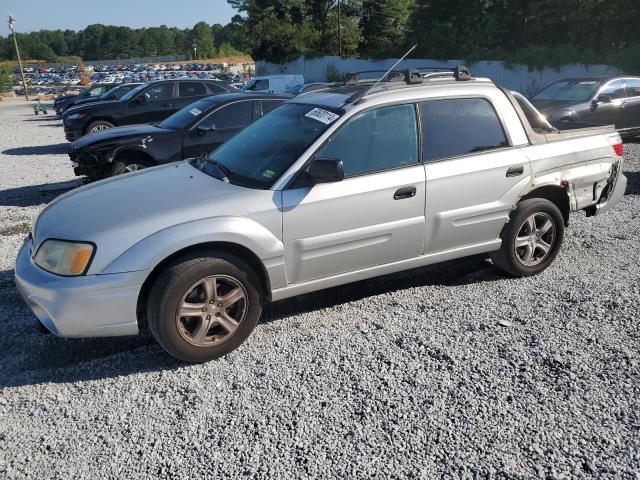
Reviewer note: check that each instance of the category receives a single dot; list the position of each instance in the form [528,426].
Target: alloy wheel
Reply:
[133,167]
[212,310]
[535,240]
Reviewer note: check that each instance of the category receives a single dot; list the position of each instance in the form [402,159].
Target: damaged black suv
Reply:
[197,129]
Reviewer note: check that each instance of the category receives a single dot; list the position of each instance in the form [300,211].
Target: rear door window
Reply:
[460,126]
[234,115]
[215,89]
[633,87]
[268,105]
[191,89]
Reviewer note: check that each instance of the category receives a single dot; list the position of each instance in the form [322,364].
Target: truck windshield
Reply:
[569,91]
[259,155]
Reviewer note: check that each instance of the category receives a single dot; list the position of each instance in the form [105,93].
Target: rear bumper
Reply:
[87,306]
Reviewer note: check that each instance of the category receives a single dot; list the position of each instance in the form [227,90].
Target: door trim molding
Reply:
[421,261]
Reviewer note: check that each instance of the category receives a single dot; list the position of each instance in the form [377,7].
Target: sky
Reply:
[33,15]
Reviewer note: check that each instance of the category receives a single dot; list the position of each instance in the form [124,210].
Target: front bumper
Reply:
[90,164]
[86,306]
[72,132]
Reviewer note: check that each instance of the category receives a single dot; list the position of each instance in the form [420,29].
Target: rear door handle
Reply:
[515,171]
[405,192]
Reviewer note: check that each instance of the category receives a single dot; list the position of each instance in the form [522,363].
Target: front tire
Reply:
[532,238]
[202,307]
[97,126]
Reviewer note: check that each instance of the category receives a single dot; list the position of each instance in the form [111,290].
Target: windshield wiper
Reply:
[225,170]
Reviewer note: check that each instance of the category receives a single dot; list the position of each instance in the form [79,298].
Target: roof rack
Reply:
[411,76]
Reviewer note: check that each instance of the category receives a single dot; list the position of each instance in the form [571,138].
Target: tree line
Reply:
[534,32]
[106,42]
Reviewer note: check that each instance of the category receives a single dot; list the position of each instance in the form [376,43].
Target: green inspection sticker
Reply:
[268,173]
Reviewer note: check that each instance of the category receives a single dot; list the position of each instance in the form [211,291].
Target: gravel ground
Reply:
[449,371]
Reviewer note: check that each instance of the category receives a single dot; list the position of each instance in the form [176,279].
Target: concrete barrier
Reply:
[515,77]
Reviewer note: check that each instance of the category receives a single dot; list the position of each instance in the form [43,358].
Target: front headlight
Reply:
[75,116]
[65,258]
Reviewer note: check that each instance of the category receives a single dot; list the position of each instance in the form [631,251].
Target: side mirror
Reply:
[205,127]
[325,170]
[141,99]
[604,98]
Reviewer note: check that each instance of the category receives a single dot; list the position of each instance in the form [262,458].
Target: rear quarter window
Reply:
[215,88]
[456,127]
[191,89]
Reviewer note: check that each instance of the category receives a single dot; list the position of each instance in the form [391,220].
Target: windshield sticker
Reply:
[195,112]
[322,116]
[268,174]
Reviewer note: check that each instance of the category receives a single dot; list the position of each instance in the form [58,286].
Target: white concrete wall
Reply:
[514,77]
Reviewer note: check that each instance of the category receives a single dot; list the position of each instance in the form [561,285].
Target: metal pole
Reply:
[15,41]
[339,28]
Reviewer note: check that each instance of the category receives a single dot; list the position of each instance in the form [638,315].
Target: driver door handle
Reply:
[405,192]
[515,171]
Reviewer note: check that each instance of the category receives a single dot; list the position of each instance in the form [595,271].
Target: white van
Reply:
[273,83]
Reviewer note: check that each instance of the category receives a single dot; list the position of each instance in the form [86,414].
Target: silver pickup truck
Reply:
[332,187]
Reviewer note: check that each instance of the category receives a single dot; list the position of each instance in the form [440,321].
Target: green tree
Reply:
[279,30]
[202,36]
[383,24]
[6,80]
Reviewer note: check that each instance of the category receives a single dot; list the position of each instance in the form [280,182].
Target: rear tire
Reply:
[202,307]
[97,126]
[532,238]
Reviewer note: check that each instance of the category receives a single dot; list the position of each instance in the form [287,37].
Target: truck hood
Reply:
[75,108]
[117,213]
[117,133]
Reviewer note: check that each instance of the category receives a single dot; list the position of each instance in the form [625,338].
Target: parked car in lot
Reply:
[197,129]
[273,83]
[578,102]
[113,94]
[63,102]
[326,189]
[151,102]
[306,88]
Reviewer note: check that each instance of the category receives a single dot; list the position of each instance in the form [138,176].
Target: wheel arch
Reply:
[132,152]
[556,194]
[206,248]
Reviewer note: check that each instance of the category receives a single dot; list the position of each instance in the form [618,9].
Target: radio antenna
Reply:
[391,69]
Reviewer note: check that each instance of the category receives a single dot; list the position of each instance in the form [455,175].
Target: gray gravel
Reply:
[453,371]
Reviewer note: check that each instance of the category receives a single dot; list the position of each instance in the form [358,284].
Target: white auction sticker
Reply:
[322,116]
[195,112]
